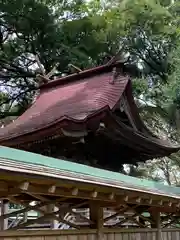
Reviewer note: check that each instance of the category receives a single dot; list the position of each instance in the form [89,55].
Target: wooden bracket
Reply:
[43,77]
[24,186]
[52,189]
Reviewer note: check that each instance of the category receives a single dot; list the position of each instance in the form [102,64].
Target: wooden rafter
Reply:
[81,216]
[173,219]
[39,191]
[29,207]
[132,217]
[38,197]
[52,215]
[141,216]
[46,216]
[116,214]
[43,193]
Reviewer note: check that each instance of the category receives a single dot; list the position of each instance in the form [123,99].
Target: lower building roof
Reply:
[25,162]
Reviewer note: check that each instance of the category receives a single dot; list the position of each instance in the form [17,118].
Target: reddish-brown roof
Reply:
[75,101]
[81,101]
[81,75]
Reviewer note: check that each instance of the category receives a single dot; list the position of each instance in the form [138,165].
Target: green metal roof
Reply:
[61,168]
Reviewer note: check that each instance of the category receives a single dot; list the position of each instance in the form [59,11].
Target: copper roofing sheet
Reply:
[21,161]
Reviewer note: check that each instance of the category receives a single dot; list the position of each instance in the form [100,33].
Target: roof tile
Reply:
[76,100]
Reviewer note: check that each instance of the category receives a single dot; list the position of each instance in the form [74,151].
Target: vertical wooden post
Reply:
[96,215]
[157,218]
[158,225]
[4,210]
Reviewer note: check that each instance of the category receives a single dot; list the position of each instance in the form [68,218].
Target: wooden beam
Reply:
[46,216]
[28,208]
[81,216]
[78,205]
[164,209]
[37,196]
[141,216]
[158,225]
[4,210]
[172,220]
[96,213]
[96,216]
[129,218]
[40,190]
[4,186]
[156,215]
[55,234]
[126,209]
[115,215]
[62,210]
[14,200]
[48,201]
[51,216]
[25,217]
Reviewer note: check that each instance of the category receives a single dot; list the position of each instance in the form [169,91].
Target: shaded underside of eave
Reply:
[51,129]
[147,146]
[21,161]
[141,136]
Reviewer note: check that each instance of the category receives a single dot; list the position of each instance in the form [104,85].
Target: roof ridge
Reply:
[77,76]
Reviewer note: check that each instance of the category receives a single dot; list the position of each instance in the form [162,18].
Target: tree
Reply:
[87,34]
[81,33]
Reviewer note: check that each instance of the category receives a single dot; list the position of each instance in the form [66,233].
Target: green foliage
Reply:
[140,86]
[84,34]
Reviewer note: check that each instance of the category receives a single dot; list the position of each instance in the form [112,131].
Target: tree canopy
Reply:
[89,33]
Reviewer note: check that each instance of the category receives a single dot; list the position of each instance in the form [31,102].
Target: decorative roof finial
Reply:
[115,58]
[75,67]
[43,77]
